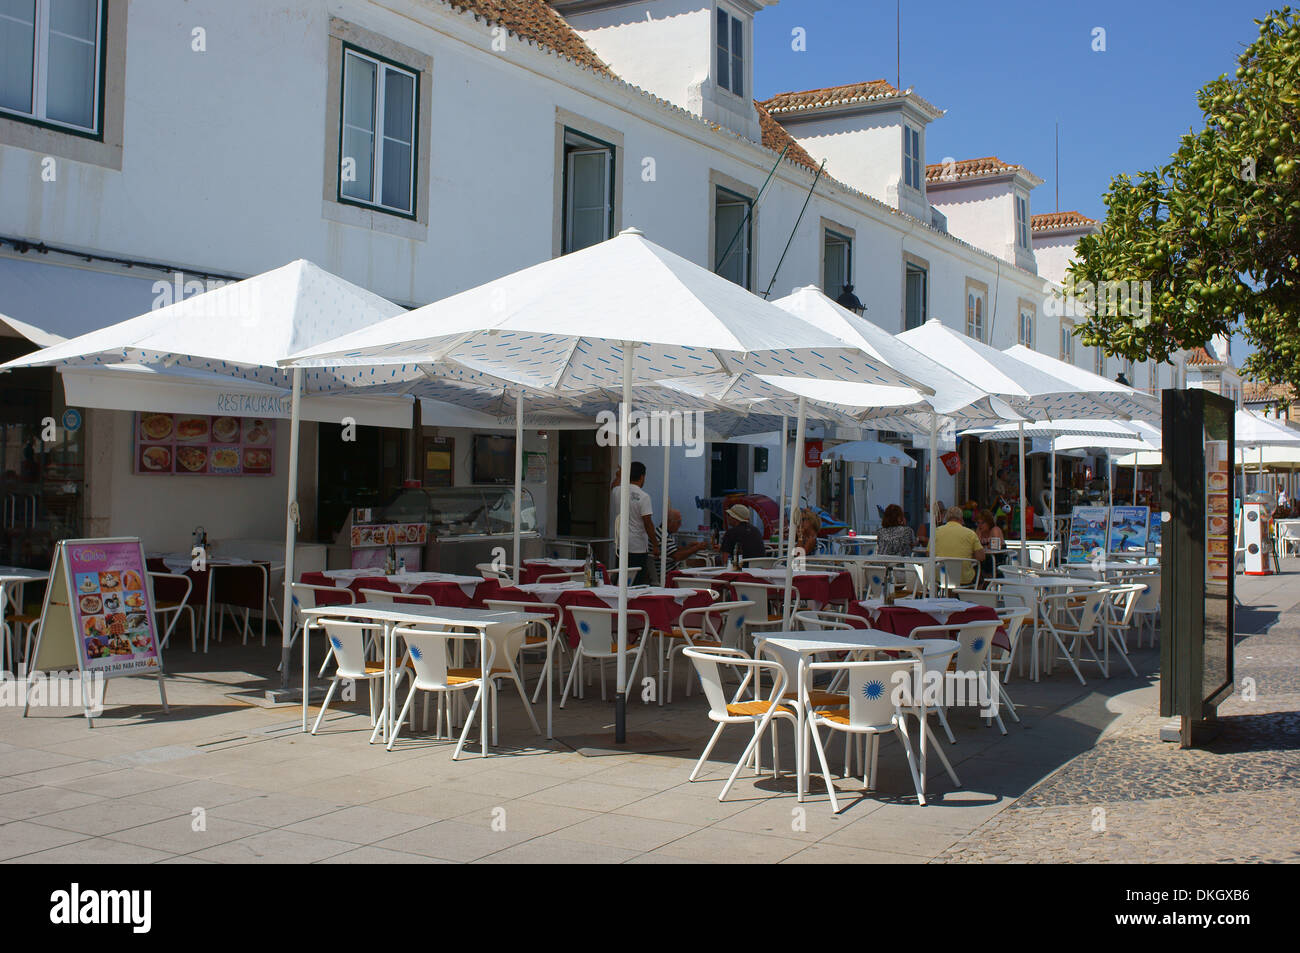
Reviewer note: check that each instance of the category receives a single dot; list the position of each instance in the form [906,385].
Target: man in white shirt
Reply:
[642,543]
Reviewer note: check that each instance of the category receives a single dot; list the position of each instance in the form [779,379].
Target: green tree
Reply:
[1216,231]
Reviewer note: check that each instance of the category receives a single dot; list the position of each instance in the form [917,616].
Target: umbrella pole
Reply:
[519,474]
[290,531]
[933,568]
[795,482]
[624,523]
[780,517]
[1051,497]
[1110,482]
[663,535]
[1135,478]
[1024,531]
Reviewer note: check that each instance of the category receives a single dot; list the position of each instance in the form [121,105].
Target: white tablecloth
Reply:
[551,591]
[940,609]
[408,581]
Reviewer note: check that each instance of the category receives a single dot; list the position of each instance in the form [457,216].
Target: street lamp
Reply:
[849,301]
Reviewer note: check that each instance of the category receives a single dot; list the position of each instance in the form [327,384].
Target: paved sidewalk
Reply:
[1135,799]
[220,780]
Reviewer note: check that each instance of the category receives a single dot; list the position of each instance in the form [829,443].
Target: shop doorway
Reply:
[726,469]
[367,471]
[583,498]
[43,480]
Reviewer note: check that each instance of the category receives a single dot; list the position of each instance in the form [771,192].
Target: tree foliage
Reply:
[1216,231]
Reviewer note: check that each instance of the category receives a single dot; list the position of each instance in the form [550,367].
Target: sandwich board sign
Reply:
[98,617]
[1087,534]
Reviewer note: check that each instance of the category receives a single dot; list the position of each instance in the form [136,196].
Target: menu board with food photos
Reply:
[201,444]
[98,615]
[1218,512]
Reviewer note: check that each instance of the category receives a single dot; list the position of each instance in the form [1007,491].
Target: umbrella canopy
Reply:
[1073,433]
[1252,430]
[869,451]
[1034,393]
[1274,458]
[1126,401]
[561,325]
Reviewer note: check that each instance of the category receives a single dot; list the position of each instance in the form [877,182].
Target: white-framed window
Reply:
[976,306]
[837,270]
[731,52]
[588,191]
[1067,341]
[377,134]
[1022,221]
[1026,335]
[50,52]
[732,236]
[916,291]
[912,172]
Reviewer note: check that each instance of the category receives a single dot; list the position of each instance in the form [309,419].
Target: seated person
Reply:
[895,537]
[809,526]
[677,554]
[740,532]
[987,529]
[952,540]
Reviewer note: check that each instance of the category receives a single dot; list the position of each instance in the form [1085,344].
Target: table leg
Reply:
[6,634]
[306,657]
[801,744]
[488,704]
[550,668]
[390,680]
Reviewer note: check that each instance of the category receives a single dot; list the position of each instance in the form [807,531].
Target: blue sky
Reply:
[1006,72]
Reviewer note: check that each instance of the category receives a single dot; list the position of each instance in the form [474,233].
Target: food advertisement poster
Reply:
[1087,534]
[1129,529]
[390,534]
[116,631]
[1218,512]
[203,445]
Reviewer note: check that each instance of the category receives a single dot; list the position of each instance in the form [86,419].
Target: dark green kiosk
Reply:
[1197,539]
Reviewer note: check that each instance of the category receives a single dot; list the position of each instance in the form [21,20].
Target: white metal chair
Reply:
[759,596]
[549,640]
[562,577]
[719,625]
[952,572]
[598,640]
[1116,618]
[614,574]
[1013,621]
[428,652]
[489,571]
[177,588]
[348,642]
[387,597]
[880,694]
[1075,616]
[1147,608]
[760,713]
[980,597]
[309,596]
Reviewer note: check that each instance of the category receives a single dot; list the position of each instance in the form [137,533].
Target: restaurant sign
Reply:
[200,444]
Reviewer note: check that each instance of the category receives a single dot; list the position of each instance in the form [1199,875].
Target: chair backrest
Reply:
[974,640]
[598,627]
[429,651]
[1149,600]
[723,622]
[758,596]
[823,620]
[873,581]
[707,660]
[981,597]
[876,689]
[1084,607]
[1013,620]
[380,596]
[309,596]
[374,583]
[1123,600]
[1040,557]
[489,571]
[348,640]
[561,577]
[764,562]
[170,587]
[952,571]
[547,610]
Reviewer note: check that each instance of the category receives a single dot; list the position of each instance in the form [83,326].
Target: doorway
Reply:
[583,497]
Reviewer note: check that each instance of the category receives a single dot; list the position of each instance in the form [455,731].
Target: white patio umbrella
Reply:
[1127,402]
[1034,393]
[869,451]
[616,313]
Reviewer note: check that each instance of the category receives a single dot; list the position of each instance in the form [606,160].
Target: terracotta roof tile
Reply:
[971,168]
[776,138]
[830,96]
[1257,391]
[1051,221]
[1200,357]
[535,20]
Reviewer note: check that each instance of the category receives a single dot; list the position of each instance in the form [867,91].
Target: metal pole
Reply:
[796,481]
[290,532]
[933,568]
[624,523]
[1024,530]
[1135,478]
[663,536]
[1051,496]
[780,517]
[519,474]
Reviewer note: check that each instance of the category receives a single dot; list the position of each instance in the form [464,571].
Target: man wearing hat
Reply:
[741,533]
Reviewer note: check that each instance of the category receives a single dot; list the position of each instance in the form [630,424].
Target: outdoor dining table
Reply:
[448,589]
[17,577]
[663,606]
[794,650]
[815,586]
[904,615]
[1036,588]
[183,564]
[530,570]
[490,624]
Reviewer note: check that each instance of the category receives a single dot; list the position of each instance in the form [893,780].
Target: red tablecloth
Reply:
[663,610]
[531,571]
[901,620]
[812,587]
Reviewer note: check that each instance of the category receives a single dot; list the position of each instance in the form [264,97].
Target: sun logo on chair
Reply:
[416,653]
[977,645]
[336,642]
[584,627]
[873,690]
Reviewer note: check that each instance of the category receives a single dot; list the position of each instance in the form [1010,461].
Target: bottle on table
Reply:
[589,570]
[401,565]
[889,586]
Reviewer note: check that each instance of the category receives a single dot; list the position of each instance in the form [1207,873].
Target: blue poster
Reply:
[1128,529]
[1087,534]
